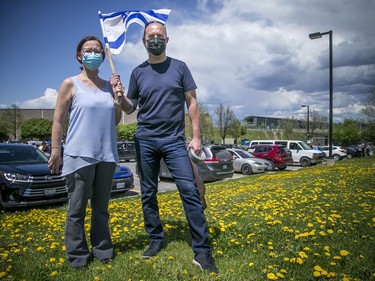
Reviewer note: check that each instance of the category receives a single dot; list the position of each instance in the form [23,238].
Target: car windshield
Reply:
[304,145]
[244,154]
[21,154]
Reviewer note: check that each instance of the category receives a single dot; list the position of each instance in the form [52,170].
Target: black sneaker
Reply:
[153,249]
[206,262]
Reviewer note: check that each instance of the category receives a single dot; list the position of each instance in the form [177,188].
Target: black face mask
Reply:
[156,46]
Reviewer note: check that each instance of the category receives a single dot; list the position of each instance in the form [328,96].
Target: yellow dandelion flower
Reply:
[303,255]
[251,264]
[299,261]
[344,253]
[96,278]
[317,274]
[280,275]
[52,260]
[170,258]
[337,257]
[318,268]
[272,276]
[326,248]
[53,274]
[219,252]
[2,274]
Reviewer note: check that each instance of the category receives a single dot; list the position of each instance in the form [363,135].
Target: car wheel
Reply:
[282,168]
[246,169]
[272,164]
[336,157]
[305,162]
[350,156]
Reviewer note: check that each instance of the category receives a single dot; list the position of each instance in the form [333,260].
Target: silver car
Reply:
[217,165]
[247,164]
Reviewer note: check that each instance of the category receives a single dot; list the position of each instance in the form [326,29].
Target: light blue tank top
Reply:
[91,136]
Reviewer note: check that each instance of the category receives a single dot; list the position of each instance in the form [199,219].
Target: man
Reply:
[160,87]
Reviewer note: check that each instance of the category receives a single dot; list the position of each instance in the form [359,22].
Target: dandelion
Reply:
[96,278]
[52,260]
[251,264]
[53,274]
[2,274]
[219,252]
[303,255]
[272,276]
[344,253]
[317,274]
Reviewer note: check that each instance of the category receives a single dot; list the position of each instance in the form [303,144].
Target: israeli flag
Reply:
[114,25]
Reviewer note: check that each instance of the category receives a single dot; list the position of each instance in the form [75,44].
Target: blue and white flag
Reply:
[114,25]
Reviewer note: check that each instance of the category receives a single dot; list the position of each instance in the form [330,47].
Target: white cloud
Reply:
[47,101]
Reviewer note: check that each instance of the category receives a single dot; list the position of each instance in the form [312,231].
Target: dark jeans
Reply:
[174,153]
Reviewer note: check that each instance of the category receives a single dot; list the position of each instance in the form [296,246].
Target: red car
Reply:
[278,155]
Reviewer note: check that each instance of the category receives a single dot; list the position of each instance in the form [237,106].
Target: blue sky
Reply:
[254,56]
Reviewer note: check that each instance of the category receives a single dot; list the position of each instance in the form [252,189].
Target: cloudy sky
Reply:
[254,56]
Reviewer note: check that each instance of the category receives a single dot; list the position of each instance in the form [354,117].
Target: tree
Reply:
[287,125]
[368,131]
[12,120]
[126,132]
[206,126]
[226,119]
[237,130]
[36,128]
[346,133]
[369,109]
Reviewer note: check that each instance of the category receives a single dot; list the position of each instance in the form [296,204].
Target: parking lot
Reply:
[165,184]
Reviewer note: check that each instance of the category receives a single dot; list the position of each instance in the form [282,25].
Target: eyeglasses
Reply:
[90,52]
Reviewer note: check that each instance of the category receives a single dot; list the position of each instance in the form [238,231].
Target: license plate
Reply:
[49,192]
[225,166]
[121,185]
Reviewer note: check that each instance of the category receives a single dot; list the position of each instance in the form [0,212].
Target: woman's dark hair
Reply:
[83,41]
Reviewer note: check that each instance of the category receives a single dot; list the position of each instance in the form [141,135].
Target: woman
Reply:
[90,152]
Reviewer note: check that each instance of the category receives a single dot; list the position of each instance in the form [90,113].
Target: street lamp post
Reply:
[317,35]
[308,120]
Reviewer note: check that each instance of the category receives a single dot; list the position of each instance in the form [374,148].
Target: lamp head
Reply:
[315,35]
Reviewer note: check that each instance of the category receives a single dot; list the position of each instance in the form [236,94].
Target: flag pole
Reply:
[109,55]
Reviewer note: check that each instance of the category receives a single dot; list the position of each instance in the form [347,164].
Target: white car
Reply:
[247,164]
[338,153]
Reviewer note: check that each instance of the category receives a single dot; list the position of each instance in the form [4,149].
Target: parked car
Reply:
[302,153]
[352,151]
[217,165]
[247,164]
[338,153]
[25,178]
[126,150]
[278,155]
[123,180]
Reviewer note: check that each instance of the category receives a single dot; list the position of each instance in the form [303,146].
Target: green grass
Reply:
[317,223]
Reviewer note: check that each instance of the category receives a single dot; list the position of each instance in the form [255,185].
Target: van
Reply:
[302,153]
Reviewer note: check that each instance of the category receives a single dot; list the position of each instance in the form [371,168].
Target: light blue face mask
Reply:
[92,60]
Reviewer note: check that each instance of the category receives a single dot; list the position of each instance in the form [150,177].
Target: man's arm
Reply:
[192,105]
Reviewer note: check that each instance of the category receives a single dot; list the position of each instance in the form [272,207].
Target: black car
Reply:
[126,150]
[25,178]
[353,151]
[217,165]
